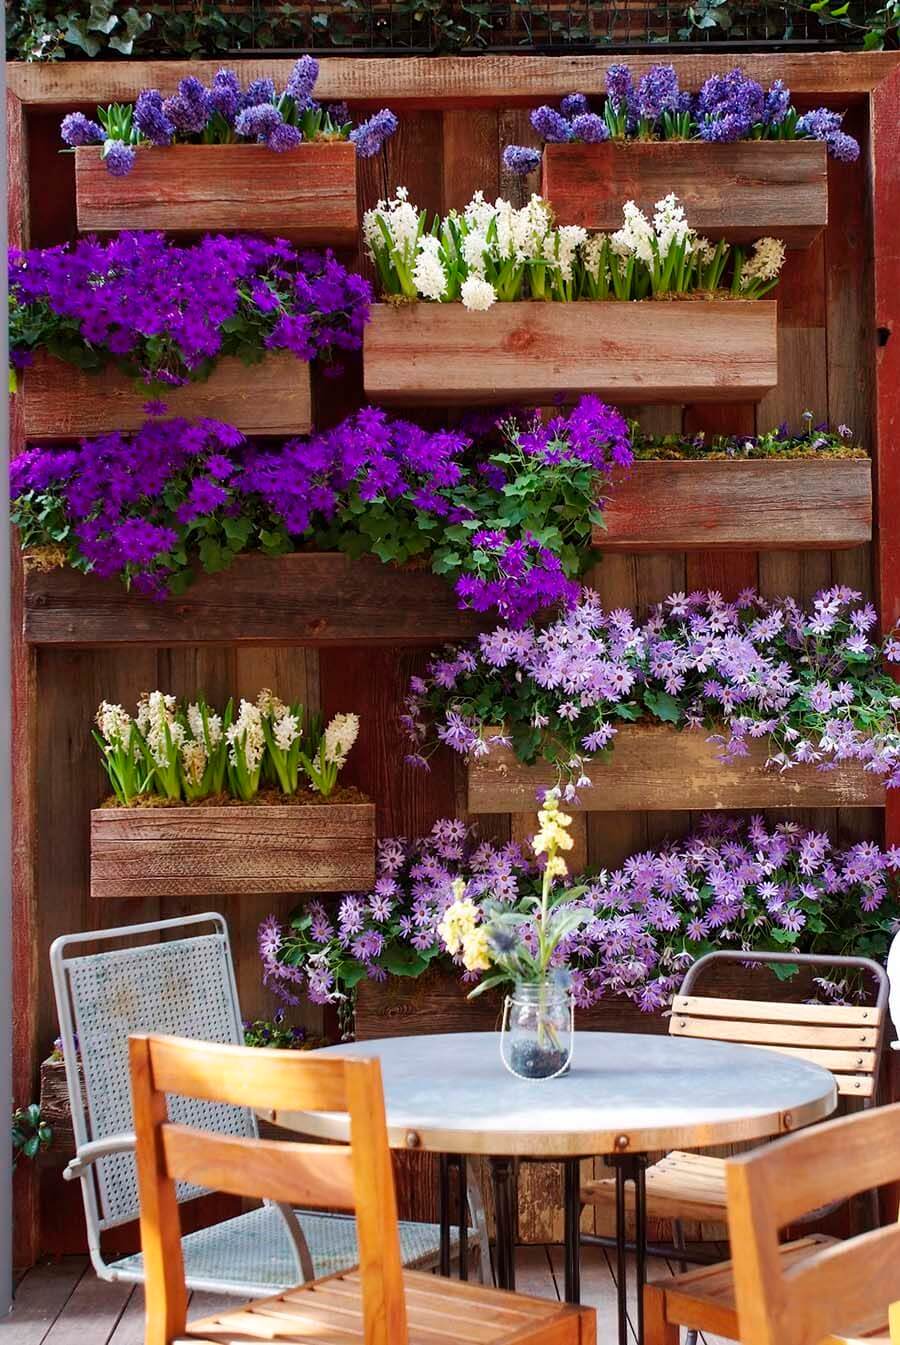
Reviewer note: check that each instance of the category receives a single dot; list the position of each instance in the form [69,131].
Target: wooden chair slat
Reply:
[762,1033]
[854,1085]
[316,1175]
[773,1011]
[836,1059]
[221,1073]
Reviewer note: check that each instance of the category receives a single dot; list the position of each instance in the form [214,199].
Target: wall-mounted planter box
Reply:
[309,599]
[665,351]
[743,191]
[657,768]
[63,402]
[307,195]
[235,850]
[761,504]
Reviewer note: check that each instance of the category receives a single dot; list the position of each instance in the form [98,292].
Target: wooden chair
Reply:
[846,1039]
[817,1291]
[380,1303]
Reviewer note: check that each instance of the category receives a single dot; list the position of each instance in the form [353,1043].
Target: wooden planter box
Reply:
[771,504]
[307,195]
[232,851]
[304,599]
[654,767]
[63,402]
[747,190]
[55,1109]
[665,351]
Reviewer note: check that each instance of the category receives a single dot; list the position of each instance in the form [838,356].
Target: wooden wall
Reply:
[826,365]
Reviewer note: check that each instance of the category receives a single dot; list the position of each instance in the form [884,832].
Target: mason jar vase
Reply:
[537,1036]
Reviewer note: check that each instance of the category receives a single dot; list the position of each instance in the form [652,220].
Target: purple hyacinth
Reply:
[78,130]
[151,120]
[731,98]
[778,102]
[590,129]
[521,159]
[190,108]
[339,113]
[302,80]
[225,95]
[284,137]
[843,147]
[657,93]
[369,137]
[258,123]
[823,124]
[574,105]
[551,125]
[118,157]
[619,86]
[258,91]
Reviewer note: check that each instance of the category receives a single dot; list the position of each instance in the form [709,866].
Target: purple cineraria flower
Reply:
[189,110]
[521,159]
[551,125]
[370,136]
[590,129]
[151,120]
[118,157]
[302,80]
[77,130]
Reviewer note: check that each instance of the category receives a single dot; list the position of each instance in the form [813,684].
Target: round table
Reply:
[625,1095]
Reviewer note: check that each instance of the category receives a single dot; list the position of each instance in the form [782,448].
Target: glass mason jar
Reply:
[537,1036]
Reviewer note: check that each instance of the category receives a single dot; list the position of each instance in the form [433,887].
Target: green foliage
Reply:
[30,1132]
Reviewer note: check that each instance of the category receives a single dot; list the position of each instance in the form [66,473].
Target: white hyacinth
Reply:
[402,220]
[156,714]
[246,735]
[564,247]
[269,704]
[475,249]
[479,212]
[193,760]
[636,235]
[213,724]
[765,263]
[115,725]
[340,735]
[429,276]
[477,295]
[286,730]
[670,225]
[593,254]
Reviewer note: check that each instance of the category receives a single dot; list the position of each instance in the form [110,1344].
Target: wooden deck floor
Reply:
[65,1304]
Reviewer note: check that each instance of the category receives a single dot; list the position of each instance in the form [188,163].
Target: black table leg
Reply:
[463,1216]
[630,1167]
[504,1184]
[444,1213]
[572,1227]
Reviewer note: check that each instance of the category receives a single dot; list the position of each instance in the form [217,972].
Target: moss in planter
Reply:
[266,798]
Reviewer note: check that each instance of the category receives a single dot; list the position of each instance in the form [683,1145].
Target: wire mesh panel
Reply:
[182,988]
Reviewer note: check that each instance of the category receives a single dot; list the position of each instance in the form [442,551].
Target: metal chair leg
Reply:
[678,1242]
[477,1218]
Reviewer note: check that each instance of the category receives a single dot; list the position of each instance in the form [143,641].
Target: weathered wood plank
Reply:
[773,504]
[62,402]
[42,1296]
[91,1314]
[233,850]
[302,599]
[631,352]
[307,195]
[743,191]
[656,767]
[448,81]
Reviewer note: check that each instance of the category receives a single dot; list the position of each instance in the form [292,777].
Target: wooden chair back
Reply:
[357,1177]
[844,1287]
[846,1039]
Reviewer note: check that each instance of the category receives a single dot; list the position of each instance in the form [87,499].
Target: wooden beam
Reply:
[653,767]
[448,81]
[792,504]
[300,599]
[661,351]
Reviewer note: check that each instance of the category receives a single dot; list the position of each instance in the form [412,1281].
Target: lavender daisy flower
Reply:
[118,157]
[151,120]
[551,125]
[369,137]
[302,80]
[77,130]
[574,105]
[521,160]
[590,129]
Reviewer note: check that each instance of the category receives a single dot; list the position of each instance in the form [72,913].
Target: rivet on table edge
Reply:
[622,1143]
[787,1120]
[413,1139]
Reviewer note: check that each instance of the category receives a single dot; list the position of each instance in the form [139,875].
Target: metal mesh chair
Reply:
[183,986]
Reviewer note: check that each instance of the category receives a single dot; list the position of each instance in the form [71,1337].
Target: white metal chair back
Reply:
[893,971]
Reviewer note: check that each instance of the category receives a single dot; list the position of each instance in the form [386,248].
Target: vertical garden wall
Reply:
[339,636]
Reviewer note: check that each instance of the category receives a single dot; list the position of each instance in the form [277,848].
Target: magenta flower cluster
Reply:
[155,505]
[225,113]
[167,312]
[728,107]
[738,884]
[809,683]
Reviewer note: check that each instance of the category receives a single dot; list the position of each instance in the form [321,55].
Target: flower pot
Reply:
[538,1031]
[742,191]
[232,850]
[63,402]
[307,194]
[651,351]
[655,767]
[766,504]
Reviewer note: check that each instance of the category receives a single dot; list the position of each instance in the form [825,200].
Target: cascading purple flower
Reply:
[118,157]
[551,125]
[370,136]
[822,124]
[521,159]
[77,130]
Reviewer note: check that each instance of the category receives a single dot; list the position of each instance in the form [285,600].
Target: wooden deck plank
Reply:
[91,1314]
[41,1298]
[534,1272]
[598,1288]
[129,1330]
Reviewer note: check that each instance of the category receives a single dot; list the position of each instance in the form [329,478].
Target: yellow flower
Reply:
[459,921]
[475,950]
[556,867]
